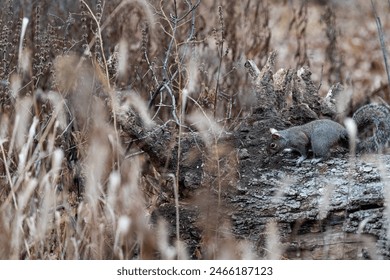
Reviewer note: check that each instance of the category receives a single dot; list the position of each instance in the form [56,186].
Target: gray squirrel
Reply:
[321,135]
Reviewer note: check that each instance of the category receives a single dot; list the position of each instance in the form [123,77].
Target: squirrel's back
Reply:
[321,135]
[318,135]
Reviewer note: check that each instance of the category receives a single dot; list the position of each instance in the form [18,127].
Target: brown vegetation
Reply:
[119,119]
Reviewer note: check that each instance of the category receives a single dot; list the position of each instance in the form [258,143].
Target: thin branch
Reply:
[168,80]
[191,9]
[220,12]
[156,92]
[173,27]
[169,90]
[101,42]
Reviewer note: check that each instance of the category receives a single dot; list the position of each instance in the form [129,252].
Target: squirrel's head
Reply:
[276,145]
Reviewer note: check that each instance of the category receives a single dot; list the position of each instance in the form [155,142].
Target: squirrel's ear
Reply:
[275,133]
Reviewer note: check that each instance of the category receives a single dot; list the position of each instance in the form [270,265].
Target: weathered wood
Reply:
[331,210]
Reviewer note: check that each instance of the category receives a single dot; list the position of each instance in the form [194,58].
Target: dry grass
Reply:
[71,185]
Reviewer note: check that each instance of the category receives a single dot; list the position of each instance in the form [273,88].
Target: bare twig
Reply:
[101,42]
[173,22]
[8,175]
[220,44]
[169,90]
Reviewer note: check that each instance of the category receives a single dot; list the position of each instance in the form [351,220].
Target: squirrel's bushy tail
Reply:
[373,115]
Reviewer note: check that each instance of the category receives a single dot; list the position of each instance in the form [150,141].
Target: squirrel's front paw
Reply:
[300,159]
[316,160]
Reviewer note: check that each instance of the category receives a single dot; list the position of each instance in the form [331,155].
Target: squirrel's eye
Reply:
[273,145]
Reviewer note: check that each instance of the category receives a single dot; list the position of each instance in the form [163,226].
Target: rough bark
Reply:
[331,210]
